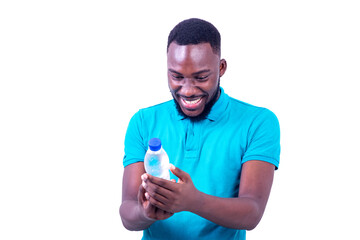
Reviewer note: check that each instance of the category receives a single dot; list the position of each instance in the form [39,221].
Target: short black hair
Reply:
[195,31]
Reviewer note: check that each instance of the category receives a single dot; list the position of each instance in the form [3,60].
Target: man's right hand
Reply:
[136,211]
[150,210]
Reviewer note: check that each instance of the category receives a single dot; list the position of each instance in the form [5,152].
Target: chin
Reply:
[194,113]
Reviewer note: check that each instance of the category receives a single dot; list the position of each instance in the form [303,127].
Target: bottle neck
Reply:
[157,151]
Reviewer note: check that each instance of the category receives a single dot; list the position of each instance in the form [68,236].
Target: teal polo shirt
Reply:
[212,151]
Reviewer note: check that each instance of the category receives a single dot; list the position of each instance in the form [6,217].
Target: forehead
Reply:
[196,55]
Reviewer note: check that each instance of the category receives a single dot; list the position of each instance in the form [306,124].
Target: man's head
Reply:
[195,31]
[194,67]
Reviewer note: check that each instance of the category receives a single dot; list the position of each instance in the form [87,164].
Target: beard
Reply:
[205,112]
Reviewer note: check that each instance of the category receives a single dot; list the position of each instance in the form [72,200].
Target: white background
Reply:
[74,72]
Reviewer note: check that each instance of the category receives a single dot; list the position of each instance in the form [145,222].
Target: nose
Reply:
[188,89]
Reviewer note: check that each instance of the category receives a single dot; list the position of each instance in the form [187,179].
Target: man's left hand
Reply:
[171,196]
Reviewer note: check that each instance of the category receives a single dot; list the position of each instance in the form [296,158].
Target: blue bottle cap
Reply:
[154,144]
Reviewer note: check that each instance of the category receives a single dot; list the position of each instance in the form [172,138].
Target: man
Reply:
[223,151]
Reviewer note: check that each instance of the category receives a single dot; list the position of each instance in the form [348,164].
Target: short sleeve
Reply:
[134,146]
[263,141]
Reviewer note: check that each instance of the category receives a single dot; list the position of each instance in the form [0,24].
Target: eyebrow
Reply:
[194,74]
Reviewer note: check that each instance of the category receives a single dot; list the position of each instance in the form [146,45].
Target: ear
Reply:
[223,66]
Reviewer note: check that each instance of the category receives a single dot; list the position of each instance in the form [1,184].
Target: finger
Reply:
[150,211]
[156,192]
[159,214]
[163,183]
[163,214]
[183,176]
[141,194]
[157,204]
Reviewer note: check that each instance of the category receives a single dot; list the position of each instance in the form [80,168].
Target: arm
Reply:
[243,212]
[136,212]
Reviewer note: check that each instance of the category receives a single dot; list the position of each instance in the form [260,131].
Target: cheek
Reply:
[173,86]
[212,86]
[212,90]
[170,83]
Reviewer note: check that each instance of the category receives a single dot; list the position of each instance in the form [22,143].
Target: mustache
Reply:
[174,92]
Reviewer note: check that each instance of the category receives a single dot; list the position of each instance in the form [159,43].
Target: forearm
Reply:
[242,212]
[133,217]
[238,213]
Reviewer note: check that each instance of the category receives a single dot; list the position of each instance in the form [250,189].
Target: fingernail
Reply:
[147,195]
[143,184]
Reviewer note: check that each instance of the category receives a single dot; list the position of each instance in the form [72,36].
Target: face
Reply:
[194,73]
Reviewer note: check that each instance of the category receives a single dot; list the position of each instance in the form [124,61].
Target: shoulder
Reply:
[146,118]
[158,111]
[158,107]
[161,109]
[249,111]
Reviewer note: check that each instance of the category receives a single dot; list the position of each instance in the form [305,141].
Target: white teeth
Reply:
[192,102]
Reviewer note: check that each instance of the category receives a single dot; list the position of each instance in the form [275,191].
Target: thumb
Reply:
[183,176]
[141,194]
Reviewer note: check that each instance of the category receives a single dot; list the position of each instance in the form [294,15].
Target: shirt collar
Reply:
[219,107]
[216,111]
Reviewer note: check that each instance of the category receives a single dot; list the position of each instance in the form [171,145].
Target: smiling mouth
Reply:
[191,104]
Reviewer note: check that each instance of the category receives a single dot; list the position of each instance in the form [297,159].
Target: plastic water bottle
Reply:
[156,160]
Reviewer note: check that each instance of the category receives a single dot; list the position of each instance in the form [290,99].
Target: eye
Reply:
[177,77]
[201,78]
